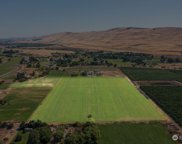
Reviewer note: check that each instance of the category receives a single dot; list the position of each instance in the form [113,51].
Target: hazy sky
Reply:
[20,18]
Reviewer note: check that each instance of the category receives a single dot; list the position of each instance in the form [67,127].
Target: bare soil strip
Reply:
[158,83]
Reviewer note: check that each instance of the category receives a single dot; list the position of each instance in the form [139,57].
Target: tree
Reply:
[170,60]
[37,65]
[91,133]
[18,138]
[177,60]
[22,125]
[29,65]
[138,61]
[21,76]
[84,73]
[10,126]
[34,137]
[115,65]
[58,136]
[36,124]
[22,61]
[162,59]
[71,139]
[45,134]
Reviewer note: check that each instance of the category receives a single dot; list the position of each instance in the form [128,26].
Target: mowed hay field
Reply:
[106,98]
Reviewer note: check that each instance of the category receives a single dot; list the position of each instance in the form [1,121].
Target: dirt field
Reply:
[158,83]
[42,52]
[7,135]
[169,66]
[114,73]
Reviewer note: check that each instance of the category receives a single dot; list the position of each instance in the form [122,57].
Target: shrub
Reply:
[58,136]
[34,137]
[45,134]
[18,138]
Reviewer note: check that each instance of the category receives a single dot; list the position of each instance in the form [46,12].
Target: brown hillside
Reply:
[148,40]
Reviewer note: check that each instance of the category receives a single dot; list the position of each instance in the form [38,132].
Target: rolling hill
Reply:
[165,40]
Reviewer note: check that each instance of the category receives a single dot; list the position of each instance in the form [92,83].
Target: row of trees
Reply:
[23,75]
[97,58]
[165,59]
[9,53]
[125,56]
[41,133]
[30,61]
[75,61]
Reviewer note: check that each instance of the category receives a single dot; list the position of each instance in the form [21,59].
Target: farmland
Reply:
[122,85]
[169,98]
[21,102]
[163,86]
[9,65]
[128,133]
[152,74]
[74,90]
[105,98]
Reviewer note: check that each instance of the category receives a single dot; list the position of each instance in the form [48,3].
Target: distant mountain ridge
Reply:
[163,40]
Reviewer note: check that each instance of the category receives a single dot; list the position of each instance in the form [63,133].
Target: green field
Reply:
[127,133]
[9,65]
[105,98]
[24,136]
[152,74]
[169,98]
[21,102]
[120,62]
